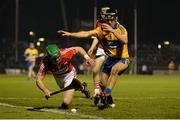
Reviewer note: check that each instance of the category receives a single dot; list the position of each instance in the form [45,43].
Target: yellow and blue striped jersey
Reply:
[31,54]
[112,47]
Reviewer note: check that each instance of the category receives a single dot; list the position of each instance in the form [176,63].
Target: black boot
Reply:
[85,90]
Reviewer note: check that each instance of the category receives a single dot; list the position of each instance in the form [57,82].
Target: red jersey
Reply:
[98,24]
[64,66]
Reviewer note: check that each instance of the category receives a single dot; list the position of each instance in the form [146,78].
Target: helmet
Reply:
[104,9]
[52,51]
[108,13]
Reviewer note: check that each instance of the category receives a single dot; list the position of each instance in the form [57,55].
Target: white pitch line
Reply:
[15,98]
[51,110]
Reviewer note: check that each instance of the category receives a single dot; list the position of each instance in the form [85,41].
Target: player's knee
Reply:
[76,84]
[95,70]
[114,71]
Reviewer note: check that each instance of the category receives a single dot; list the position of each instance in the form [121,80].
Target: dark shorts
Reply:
[110,62]
[30,63]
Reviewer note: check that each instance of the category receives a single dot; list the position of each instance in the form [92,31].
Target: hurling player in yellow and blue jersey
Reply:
[30,54]
[114,42]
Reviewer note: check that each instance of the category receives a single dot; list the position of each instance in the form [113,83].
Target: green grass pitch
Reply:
[135,96]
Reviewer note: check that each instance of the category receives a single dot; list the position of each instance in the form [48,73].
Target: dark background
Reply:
[158,21]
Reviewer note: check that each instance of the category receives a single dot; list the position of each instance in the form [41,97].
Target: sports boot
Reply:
[96,99]
[85,90]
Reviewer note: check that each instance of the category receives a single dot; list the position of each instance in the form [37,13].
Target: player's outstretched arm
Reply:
[41,86]
[83,53]
[93,45]
[81,34]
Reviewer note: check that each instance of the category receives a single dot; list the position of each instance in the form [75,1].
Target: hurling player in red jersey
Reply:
[58,62]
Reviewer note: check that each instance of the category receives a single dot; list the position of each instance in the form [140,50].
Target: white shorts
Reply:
[100,52]
[66,79]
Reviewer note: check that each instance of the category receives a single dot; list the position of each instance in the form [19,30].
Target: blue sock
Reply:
[107,91]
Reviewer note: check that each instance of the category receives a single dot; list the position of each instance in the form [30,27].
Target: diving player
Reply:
[58,62]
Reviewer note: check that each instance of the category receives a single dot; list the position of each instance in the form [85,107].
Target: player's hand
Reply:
[90,51]
[47,93]
[106,27]
[27,59]
[64,33]
[90,62]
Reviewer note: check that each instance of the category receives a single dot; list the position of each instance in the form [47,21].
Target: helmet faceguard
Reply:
[108,13]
